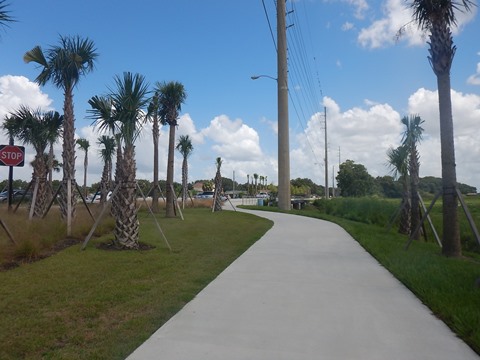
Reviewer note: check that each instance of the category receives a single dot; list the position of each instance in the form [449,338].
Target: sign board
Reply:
[12,155]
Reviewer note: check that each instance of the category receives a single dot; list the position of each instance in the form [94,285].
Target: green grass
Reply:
[98,304]
[445,285]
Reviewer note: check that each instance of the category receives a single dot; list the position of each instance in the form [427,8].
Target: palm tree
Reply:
[255,176]
[217,206]
[32,127]
[55,132]
[5,17]
[64,64]
[84,144]
[437,17]
[185,147]
[153,115]
[248,184]
[411,137]
[103,114]
[128,102]
[171,97]
[398,162]
[106,153]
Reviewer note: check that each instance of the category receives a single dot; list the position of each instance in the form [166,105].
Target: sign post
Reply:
[11,155]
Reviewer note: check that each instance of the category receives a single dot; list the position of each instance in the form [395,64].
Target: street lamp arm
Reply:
[255,77]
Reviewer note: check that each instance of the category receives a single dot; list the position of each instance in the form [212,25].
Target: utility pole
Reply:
[284,201]
[326,155]
[333,181]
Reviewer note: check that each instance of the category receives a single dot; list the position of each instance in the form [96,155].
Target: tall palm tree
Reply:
[106,153]
[217,206]
[153,116]
[248,184]
[84,144]
[128,101]
[437,17]
[398,162]
[63,65]
[184,145]
[171,96]
[411,137]
[32,127]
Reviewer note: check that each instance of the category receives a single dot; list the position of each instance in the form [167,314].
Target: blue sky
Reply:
[342,55]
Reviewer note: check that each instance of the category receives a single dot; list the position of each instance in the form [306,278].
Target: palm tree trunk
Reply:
[50,170]
[184,181]
[451,234]
[415,203]
[155,196]
[85,168]
[404,227]
[126,221]
[39,176]
[170,206]
[68,156]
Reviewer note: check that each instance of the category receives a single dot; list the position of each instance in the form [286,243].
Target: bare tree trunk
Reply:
[451,233]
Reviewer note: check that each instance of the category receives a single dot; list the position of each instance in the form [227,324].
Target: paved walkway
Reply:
[305,290]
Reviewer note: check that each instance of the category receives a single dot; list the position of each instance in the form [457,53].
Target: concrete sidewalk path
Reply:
[305,290]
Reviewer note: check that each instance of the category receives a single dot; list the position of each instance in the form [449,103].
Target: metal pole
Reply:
[283,136]
[326,157]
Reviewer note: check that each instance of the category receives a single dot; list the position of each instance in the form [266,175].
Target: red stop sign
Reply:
[11,155]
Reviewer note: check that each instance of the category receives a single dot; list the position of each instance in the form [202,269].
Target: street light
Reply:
[255,77]
[284,198]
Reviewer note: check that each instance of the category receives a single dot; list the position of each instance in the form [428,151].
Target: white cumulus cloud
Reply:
[397,15]
[475,78]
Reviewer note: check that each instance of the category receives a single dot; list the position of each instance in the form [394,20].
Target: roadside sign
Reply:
[12,155]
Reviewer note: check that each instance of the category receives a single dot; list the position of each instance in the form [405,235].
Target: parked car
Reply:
[205,195]
[262,195]
[95,198]
[209,195]
[17,195]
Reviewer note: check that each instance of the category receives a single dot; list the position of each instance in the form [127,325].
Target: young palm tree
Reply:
[411,137]
[437,17]
[153,116]
[255,177]
[128,102]
[185,147]
[63,65]
[103,113]
[398,162]
[32,127]
[55,132]
[217,206]
[106,153]
[171,97]
[84,144]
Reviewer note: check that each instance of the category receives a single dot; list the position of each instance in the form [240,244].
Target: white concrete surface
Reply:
[306,290]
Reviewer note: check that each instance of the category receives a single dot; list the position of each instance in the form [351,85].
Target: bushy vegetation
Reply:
[381,212]
[36,238]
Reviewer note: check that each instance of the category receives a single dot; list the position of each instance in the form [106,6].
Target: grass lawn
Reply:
[98,304]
